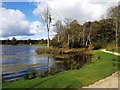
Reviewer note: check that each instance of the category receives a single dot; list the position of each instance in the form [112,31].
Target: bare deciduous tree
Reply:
[88,38]
[46,17]
[59,28]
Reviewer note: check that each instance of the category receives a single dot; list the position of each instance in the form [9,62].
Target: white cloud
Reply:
[82,10]
[13,23]
[36,27]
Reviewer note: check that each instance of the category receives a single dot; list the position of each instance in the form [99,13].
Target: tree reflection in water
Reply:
[72,61]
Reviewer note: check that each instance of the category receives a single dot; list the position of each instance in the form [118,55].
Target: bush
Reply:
[110,47]
[53,71]
[78,66]
[33,73]
[72,66]
[26,76]
[30,76]
[90,47]
[43,50]
[97,46]
[42,75]
[57,51]
[46,73]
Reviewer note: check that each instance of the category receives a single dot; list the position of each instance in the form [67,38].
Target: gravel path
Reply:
[104,50]
[109,82]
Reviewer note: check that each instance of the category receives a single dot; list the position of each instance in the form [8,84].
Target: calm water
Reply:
[16,60]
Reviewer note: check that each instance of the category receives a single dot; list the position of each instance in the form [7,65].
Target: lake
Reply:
[17,60]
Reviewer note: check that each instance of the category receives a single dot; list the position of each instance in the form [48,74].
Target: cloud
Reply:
[13,23]
[36,27]
[82,10]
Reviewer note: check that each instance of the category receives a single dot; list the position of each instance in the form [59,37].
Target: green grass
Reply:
[39,44]
[100,68]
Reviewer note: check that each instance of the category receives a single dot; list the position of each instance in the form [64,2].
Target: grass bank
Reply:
[38,44]
[103,65]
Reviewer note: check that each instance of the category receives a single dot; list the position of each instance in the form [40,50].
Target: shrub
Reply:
[33,73]
[57,51]
[78,66]
[97,46]
[90,47]
[26,76]
[42,75]
[43,50]
[72,66]
[46,73]
[30,76]
[38,74]
[110,46]
[53,71]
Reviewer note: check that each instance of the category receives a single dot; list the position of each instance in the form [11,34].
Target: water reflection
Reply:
[72,62]
[23,58]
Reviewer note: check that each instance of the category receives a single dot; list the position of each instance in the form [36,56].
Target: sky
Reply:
[22,19]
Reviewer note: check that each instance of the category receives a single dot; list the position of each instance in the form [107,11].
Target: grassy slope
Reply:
[89,74]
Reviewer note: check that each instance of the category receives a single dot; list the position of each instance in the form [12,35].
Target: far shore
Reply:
[25,45]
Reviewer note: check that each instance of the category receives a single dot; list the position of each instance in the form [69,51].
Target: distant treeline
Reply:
[14,41]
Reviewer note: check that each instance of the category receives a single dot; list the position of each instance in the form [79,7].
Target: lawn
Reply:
[102,65]
[39,45]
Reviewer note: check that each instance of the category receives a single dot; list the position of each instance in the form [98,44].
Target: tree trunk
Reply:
[89,39]
[83,36]
[48,41]
[58,38]
[68,40]
[116,34]
[48,28]
[86,43]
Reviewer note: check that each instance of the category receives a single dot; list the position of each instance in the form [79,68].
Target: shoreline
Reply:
[24,45]
[87,75]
